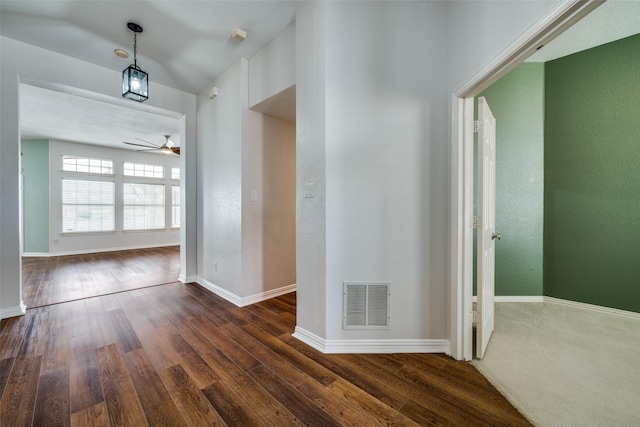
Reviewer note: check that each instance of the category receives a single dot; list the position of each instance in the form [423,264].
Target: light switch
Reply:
[309,190]
[253,196]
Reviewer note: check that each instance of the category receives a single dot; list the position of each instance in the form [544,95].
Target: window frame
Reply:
[81,178]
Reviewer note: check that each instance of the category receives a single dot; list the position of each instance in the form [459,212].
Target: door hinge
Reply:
[477,126]
[477,222]
[475,317]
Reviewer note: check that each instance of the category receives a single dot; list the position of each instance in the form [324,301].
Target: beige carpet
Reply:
[566,366]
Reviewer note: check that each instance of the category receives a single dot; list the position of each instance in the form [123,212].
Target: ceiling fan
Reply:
[167,148]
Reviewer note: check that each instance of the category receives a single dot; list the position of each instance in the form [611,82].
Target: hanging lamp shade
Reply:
[135,82]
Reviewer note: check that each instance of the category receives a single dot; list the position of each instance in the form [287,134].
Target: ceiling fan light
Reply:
[135,84]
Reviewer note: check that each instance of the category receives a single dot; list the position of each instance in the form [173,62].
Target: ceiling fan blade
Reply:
[150,143]
[176,150]
[140,145]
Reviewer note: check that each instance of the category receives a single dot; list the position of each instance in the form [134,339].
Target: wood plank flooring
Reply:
[51,280]
[177,355]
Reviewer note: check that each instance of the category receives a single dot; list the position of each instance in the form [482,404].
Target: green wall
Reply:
[592,176]
[517,102]
[35,184]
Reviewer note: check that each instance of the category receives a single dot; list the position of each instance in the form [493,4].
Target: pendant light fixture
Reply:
[135,82]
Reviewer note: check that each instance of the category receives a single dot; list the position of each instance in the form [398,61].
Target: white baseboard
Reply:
[378,346]
[36,254]
[515,298]
[20,310]
[592,307]
[187,279]
[122,248]
[243,301]
[252,299]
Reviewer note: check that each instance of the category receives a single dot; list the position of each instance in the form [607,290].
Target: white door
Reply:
[486,231]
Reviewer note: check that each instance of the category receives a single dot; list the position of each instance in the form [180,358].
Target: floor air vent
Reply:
[366,305]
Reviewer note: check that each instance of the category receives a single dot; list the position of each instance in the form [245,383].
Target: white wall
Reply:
[273,68]
[386,159]
[372,136]
[243,237]
[70,243]
[311,258]
[19,60]
[479,30]
[219,178]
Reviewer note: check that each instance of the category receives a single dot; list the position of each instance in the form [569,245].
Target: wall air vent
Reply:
[366,305]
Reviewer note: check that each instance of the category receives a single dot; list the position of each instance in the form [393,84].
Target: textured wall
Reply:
[517,102]
[387,162]
[592,176]
[35,190]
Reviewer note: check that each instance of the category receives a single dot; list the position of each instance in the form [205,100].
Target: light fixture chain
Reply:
[135,49]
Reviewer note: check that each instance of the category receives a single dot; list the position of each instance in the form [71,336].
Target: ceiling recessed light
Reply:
[121,53]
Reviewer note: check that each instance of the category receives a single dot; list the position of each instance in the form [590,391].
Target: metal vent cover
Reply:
[366,305]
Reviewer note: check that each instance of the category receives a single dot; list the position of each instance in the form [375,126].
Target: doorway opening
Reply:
[98,216]
[557,21]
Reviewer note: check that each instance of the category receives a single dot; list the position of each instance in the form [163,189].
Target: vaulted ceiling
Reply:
[186,44]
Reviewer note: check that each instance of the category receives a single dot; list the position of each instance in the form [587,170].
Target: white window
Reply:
[175,206]
[175,173]
[143,206]
[143,170]
[87,165]
[87,206]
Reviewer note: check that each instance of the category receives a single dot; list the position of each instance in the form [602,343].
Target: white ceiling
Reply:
[79,116]
[186,45]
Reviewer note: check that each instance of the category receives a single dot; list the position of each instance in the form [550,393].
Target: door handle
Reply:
[495,236]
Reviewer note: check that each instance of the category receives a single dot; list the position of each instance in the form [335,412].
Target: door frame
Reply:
[540,33]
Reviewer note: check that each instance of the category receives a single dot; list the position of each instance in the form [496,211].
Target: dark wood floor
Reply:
[177,355]
[53,280]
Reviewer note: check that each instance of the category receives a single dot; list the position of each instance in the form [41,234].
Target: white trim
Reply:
[221,292]
[252,299]
[5,313]
[371,346]
[592,307]
[550,26]
[122,248]
[187,279]
[309,338]
[541,32]
[36,255]
[514,298]
[243,301]
[378,346]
